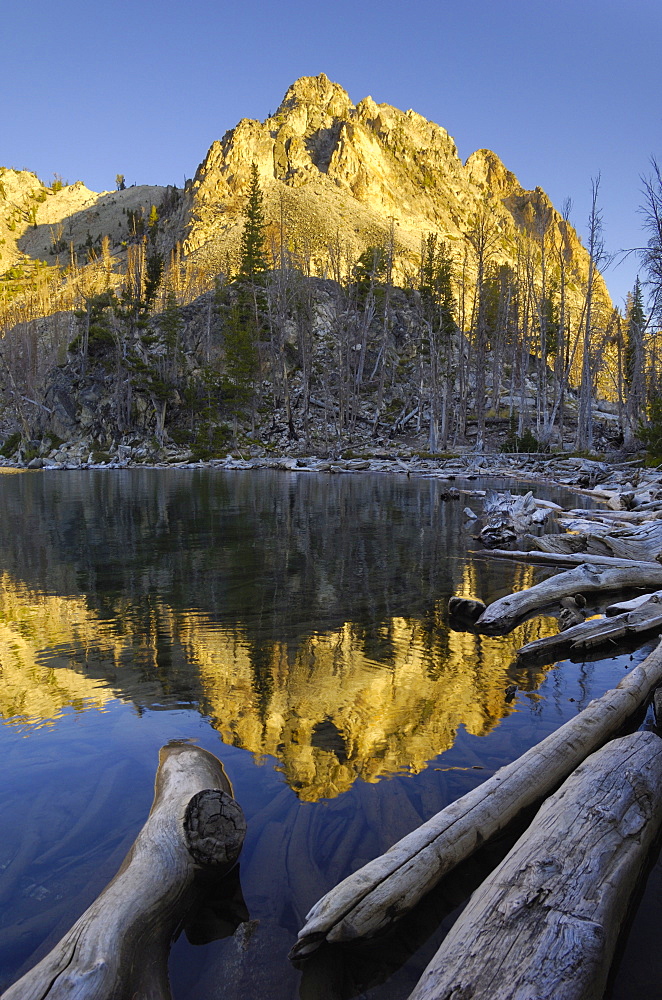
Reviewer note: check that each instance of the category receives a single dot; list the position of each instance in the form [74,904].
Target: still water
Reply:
[293,624]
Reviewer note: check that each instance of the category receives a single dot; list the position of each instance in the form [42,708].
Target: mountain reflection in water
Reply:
[288,620]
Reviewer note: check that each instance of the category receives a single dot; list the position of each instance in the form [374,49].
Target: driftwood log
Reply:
[118,948]
[503,615]
[546,921]
[641,621]
[572,611]
[641,542]
[620,607]
[376,895]
[557,558]
[507,516]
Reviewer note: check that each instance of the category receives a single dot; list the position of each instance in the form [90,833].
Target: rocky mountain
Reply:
[332,358]
[40,222]
[337,176]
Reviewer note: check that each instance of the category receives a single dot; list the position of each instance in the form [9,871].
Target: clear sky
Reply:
[561,90]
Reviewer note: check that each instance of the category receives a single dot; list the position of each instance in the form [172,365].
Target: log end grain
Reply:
[215,828]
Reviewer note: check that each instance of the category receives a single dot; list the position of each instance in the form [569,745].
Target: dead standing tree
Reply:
[484,237]
[596,256]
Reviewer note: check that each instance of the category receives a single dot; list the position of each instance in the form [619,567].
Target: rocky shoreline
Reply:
[624,485]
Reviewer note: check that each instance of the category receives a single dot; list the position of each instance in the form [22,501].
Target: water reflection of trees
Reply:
[306,616]
[282,554]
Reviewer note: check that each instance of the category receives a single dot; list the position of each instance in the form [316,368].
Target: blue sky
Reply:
[561,90]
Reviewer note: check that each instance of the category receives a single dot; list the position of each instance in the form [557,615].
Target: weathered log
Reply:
[508,516]
[620,607]
[546,921]
[376,895]
[503,615]
[558,544]
[657,706]
[119,947]
[587,635]
[626,516]
[557,559]
[643,542]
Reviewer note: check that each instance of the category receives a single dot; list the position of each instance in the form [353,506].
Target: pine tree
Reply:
[438,307]
[634,365]
[252,252]
[635,323]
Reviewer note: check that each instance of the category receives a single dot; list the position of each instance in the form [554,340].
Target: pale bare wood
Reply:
[503,615]
[558,559]
[657,705]
[620,607]
[545,923]
[376,895]
[587,635]
[118,948]
[629,516]
[572,611]
[508,516]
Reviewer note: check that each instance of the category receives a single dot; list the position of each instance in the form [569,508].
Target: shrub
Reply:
[526,442]
[10,445]
[651,433]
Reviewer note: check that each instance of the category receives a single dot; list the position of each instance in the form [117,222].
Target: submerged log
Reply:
[119,947]
[503,615]
[375,896]
[641,621]
[546,921]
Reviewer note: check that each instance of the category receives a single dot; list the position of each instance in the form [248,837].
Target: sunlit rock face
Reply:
[333,708]
[336,176]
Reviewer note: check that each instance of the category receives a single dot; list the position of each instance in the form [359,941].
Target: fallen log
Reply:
[557,559]
[375,896]
[626,516]
[503,615]
[619,607]
[587,635]
[546,921]
[657,706]
[119,947]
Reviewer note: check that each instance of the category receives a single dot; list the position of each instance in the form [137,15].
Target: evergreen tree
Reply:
[252,252]
[634,366]
[635,320]
[153,275]
[436,286]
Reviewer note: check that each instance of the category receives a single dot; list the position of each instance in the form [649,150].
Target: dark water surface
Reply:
[293,624]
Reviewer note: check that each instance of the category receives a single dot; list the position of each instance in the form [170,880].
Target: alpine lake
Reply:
[296,626]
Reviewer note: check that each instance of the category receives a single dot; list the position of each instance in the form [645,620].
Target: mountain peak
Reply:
[318,91]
